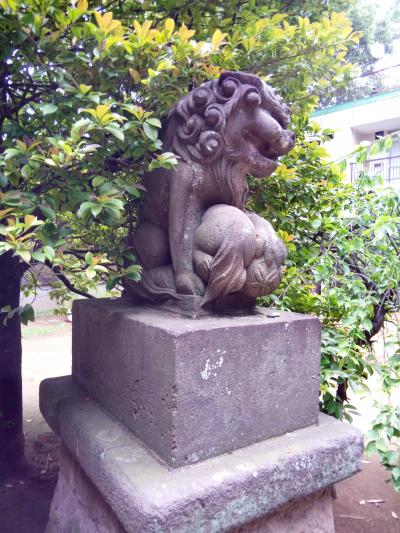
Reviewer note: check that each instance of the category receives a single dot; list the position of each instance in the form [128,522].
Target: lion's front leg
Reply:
[185,213]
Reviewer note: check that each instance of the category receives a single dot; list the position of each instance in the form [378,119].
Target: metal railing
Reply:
[387,167]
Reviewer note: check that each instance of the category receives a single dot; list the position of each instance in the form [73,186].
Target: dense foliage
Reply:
[343,265]
[83,97]
[379,25]
[84,90]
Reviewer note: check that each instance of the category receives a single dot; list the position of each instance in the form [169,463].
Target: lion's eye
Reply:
[253,99]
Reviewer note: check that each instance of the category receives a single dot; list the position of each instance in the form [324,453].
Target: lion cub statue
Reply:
[194,238]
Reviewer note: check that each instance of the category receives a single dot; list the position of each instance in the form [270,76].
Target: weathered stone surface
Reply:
[79,507]
[215,495]
[192,389]
[312,514]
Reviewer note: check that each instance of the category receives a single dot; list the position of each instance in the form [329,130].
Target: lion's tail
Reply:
[227,272]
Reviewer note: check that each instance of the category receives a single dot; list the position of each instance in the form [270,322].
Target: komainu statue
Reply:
[199,247]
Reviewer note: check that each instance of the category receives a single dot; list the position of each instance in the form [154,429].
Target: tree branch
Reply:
[65,280]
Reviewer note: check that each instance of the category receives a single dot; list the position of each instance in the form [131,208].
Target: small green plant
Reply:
[384,436]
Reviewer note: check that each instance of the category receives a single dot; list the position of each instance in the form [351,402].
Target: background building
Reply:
[365,119]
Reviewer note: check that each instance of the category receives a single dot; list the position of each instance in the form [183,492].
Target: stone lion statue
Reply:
[194,237]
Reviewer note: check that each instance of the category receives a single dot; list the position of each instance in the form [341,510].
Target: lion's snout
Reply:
[288,140]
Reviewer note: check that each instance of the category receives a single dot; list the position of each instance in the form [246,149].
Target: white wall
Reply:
[359,122]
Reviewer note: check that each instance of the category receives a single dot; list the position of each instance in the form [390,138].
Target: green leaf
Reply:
[396,472]
[381,445]
[47,212]
[96,209]
[3,180]
[84,207]
[10,153]
[90,273]
[388,142]
[154,122]
[24,254]
[150,131]
[115,203]
[48,109]
[112,282]
[27,314]
[81,127]
[133,272]
[316,223]
[88,258]
[375,149]
[49,252]
[85,88]
[98,181]
[22,200]
[116,131]
[131,189]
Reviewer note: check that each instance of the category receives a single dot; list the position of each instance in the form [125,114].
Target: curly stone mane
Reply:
[195,127]
[196,124]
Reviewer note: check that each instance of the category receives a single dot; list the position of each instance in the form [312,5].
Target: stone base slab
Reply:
[193,389]
[235,490]
[79,507]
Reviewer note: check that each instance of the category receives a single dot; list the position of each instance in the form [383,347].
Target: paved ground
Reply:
[364,504]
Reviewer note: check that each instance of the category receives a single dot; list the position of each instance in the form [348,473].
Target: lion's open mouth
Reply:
[263,153]
[266,151]
[273,150]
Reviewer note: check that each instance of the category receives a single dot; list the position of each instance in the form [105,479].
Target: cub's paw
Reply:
[189,283]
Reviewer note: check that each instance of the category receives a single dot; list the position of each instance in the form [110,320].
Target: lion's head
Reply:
[237,119]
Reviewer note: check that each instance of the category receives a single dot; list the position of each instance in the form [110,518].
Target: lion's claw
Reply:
[189,283]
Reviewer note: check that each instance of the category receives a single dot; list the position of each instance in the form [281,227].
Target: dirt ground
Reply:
[363,504]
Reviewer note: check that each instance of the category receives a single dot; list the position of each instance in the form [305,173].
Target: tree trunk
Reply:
[11,431]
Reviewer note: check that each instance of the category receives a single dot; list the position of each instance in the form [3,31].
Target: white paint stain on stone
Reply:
[245,467]
[120,459]
[106,435]
[209,367]
[221,476]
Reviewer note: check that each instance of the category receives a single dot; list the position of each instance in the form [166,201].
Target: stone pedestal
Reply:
[279,480]
[195,388]
[178,425]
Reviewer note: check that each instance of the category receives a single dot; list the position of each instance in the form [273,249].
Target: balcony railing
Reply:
[387,167]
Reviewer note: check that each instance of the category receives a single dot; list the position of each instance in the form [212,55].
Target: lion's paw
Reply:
[189,283]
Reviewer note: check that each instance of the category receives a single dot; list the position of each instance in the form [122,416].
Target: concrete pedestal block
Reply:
[195,388]
[114,484]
